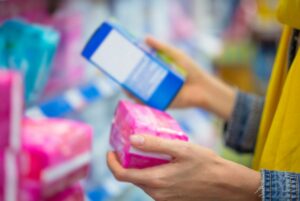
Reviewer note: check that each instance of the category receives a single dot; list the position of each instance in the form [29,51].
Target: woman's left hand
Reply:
[195,173]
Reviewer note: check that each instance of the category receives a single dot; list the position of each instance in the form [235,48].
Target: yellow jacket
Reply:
[278,144]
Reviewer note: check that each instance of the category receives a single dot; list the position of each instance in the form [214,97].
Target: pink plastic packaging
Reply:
[11,105]
[73,193]
[9,176]
[58,154]
[133,119]
[68,70]
[30,9]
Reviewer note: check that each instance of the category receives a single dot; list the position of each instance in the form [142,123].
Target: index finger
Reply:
[144,177]
[172,52]
[158,145]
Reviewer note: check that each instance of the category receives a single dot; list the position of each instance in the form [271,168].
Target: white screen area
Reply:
[117,56]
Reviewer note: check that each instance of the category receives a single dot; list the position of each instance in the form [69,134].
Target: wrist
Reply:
[241,182]
[219,98]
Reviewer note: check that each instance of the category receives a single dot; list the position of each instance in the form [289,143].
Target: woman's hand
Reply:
[195,173]
[200,89]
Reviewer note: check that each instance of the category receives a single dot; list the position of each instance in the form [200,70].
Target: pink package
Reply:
[67,69]
[33,190]
[11,98]
[9,176]
[73,193]
[58,153]
[30,9]
[133,119]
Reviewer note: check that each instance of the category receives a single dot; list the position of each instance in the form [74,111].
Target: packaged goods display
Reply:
[11,109]
[73,193]
[9,176]
[65,159]
[30,49]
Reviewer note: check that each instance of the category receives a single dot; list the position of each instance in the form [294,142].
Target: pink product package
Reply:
[11,105]
[67,68]
[9,176]
[133,119]
[57,153]
[73,193]
[30,9]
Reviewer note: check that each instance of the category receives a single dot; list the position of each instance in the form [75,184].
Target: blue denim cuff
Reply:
[242,128]
[280,186]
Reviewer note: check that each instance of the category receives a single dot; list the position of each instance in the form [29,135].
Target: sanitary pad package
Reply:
[29,48]
[133,119]
[68,68]
[58,153]
[9,176]
[143,74]
[73,193]
[11,105]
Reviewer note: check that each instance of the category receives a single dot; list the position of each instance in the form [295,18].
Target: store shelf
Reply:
[74,99]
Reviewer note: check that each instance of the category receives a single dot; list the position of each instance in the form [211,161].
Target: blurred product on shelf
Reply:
[65,160]
[234,65]
[111,47]
[2,55]
[11,109]
[73,193]
[32,10]
[263,63]
[30,49]
[266,31]
[68,69]
[131,119]
[239,26]
[250,46]
[110,189]
[74,99]
[9,175]
[182,24]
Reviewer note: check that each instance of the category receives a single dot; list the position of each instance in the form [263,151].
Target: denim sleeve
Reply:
[280,186]
[242,128]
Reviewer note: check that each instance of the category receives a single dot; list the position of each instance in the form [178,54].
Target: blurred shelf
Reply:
[74,99]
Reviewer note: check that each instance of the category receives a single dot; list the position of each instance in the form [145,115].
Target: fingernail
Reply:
[137,140]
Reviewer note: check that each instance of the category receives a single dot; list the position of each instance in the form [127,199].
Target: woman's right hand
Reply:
[200,89]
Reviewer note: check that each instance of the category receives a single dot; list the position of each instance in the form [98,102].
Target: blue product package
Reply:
[30,49]
[143,74]
[2,51]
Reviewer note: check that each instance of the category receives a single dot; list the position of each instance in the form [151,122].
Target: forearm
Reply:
[268,185]
[241,183]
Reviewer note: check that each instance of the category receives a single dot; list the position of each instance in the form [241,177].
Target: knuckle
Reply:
[120,175]
[159,181]
[186,150]
[156,195]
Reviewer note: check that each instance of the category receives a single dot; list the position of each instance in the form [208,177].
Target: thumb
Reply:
[157,145]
